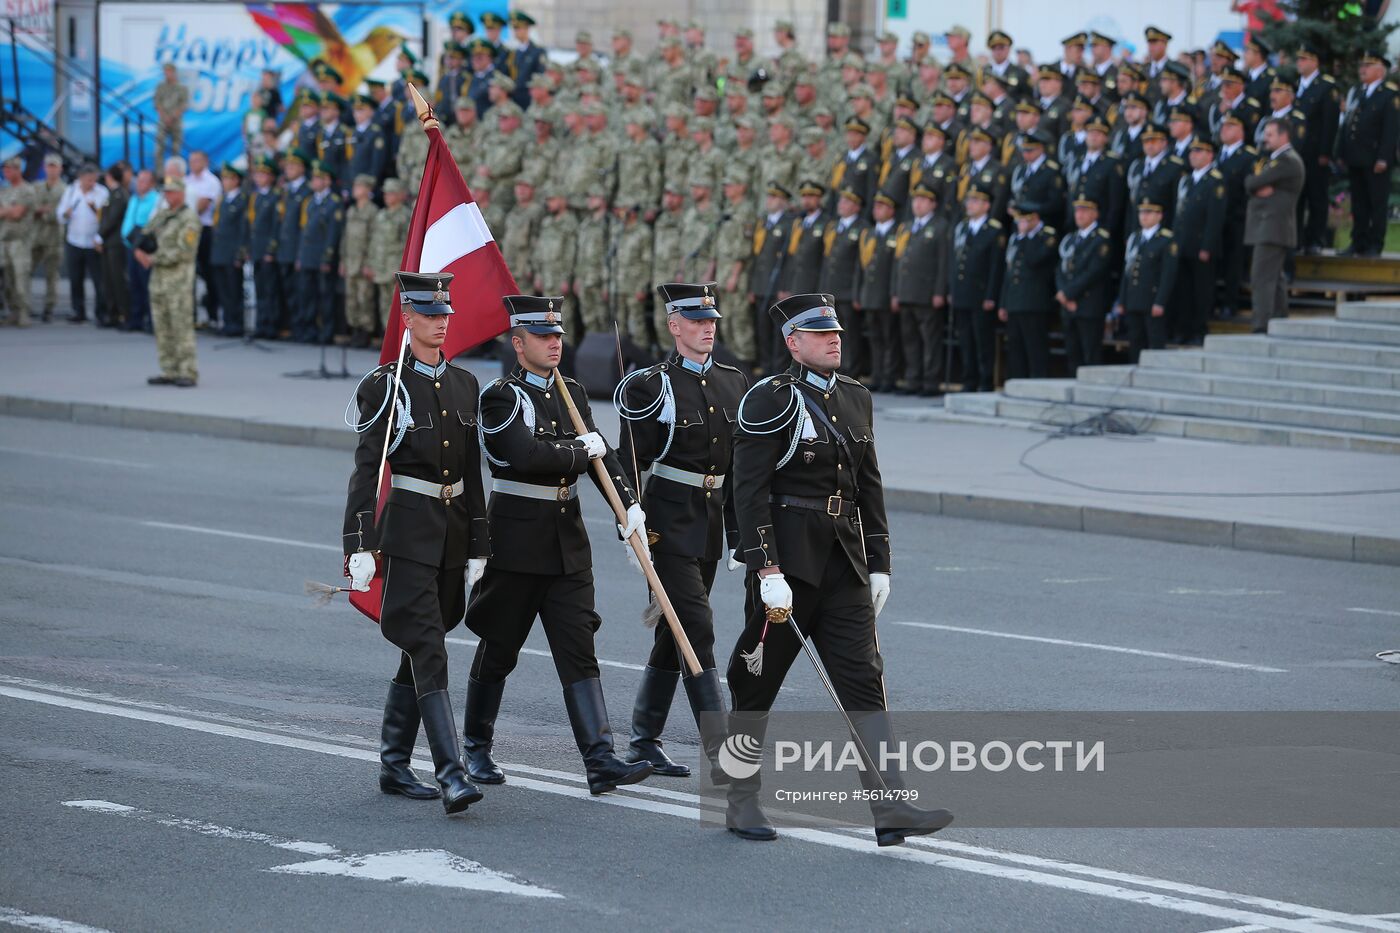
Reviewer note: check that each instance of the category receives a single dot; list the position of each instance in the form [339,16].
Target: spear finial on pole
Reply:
[424,109]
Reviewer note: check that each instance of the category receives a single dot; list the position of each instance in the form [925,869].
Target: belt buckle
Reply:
[709,481]
[563,494]
[447,492]
[833,510]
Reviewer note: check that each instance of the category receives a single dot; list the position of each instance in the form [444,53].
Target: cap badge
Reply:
[549,317]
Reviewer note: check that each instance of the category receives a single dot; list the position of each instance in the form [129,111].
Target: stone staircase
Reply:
[1311,382]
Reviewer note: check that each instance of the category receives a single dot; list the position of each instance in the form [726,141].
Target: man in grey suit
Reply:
[1271,225]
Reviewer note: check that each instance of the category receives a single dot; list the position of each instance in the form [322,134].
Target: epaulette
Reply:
[842,377]
[1176,158]
[1251,150]
[1328,79]
[1299,114]
[732,369]
[1165,233]
[1250,101]
[1052,165]
[1391,86]
[1215,173]
[1048,230]
[1103,233]
[1110,155]
[781,380]
[994,223]
[455,364]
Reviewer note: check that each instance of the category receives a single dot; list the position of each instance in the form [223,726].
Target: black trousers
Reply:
[1233,253]
[80,266]
[228,281]
[855,354]
[265,275]
[921,331]
[313,317]
[1083,339]
[1193,298]
[687,581]
[204,268]
[882,331]
[1027,344]
[1145,332]
[287,297]
[114,285]
[421,605]
[1314,204]
[977,341]
[503,609]
[1370,206]
[838,618]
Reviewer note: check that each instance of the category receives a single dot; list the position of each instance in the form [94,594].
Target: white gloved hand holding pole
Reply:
[595,445]
[636,521]
[775,592]
[476,566]
[361,569]
[879,591]
[733,563]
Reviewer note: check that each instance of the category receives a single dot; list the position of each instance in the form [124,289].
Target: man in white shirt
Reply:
[202,191]
[78,212]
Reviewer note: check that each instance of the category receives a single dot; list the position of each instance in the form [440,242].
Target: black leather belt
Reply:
[834,506]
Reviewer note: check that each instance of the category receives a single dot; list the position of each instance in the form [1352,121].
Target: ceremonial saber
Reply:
[638,545]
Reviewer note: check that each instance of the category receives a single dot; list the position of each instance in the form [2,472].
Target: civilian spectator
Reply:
[78,212]
[138,211]
[113,249]
[202,191]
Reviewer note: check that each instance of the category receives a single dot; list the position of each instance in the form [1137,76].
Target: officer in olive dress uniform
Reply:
[679,423]
[770,242]
[1149,275]
[840,274]
[541,564]
[974,288]
[1084,285]
[815,539]
[430,539]
[919,292]
[803,267]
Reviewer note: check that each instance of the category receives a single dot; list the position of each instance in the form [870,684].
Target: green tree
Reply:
[1341,30]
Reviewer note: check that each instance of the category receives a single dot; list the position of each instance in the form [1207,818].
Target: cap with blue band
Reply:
[695,302]
[537,314]
[815,312]
[426,292]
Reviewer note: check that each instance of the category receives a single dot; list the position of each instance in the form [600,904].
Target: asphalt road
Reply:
[190,745]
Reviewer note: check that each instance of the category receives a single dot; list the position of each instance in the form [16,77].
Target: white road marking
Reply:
[13,916]
[1310,919]
[202,828]
[1374,612]
[419,867]
[1076,579]
[1248,928]
[1118,649]
[170,526]
[98,461]
[1229,591]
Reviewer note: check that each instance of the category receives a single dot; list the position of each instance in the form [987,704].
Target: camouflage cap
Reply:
[700,178]
[643,117]
[886,37]
[707,92]
[597,190]
[675,111]
[748,121]
[674,187]
[783,119]
[464,103]
[784,25]
[671,42]
[394,186]
[961,32]
[593,109]
[636,73]
[862,90]
[622,32]
[743,32]
[921,38]
[53,158]
[702,125]
[173,183]
[541,82]
[507,109]
[820,110]
[812,135]
[366,180]
[840,30]
[583,36]
[546,114]
[736,174]
[503,81]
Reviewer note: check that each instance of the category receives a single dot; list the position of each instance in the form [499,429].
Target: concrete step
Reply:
[1267,390]
[1370,312]
[978,406]
[1276,414]
[1045,390]
[1333,329]
[1320,351]
[1228,364]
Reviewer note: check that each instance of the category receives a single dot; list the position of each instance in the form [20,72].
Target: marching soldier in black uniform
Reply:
[1198,229]
[1027,291]
[974,287]
[919,293]
[431,537]
[1149,275]
[679,423]
[1084,285]
[815,538]
[1320,101]
[1367,147]
[540,563]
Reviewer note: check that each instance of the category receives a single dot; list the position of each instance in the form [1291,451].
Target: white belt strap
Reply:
[424,488]
[531,491]
[687,478]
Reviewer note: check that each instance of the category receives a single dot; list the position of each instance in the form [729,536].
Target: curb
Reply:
[1177,529]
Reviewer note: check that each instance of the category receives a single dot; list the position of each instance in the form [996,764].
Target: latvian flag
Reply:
[448,234]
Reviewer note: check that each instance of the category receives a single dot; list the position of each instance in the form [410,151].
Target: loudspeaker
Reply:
[595,362]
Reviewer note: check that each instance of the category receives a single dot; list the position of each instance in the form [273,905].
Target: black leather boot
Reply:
[743,816]
[479,728]
[654,696]
[894,819]
[396,738]
[589,718]
[457,792]
[704,694]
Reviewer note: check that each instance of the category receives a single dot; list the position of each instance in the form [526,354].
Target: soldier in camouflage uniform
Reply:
[172,99]
[16,234]
[176,232]
[746,151]
[464,137]
[667,254]
[48,235]
[555,244]
[632,273]
[676,150]
[492,214]
[501,160]
[733,254]
[591,261]
[698,230]
[355,270]
[779,162]
[705,157]
[387,237]
[518,234]
[639,166]
[818,157]
[674,81]
[542,158]
[413,152]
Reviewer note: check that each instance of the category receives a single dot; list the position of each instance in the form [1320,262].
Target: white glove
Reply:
[734,563]
[879,591]
[476,566]
[361,567]
[632,555]
[593,443]
[775,592]
[636,521]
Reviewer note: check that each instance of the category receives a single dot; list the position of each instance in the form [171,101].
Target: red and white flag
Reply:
[448,234]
